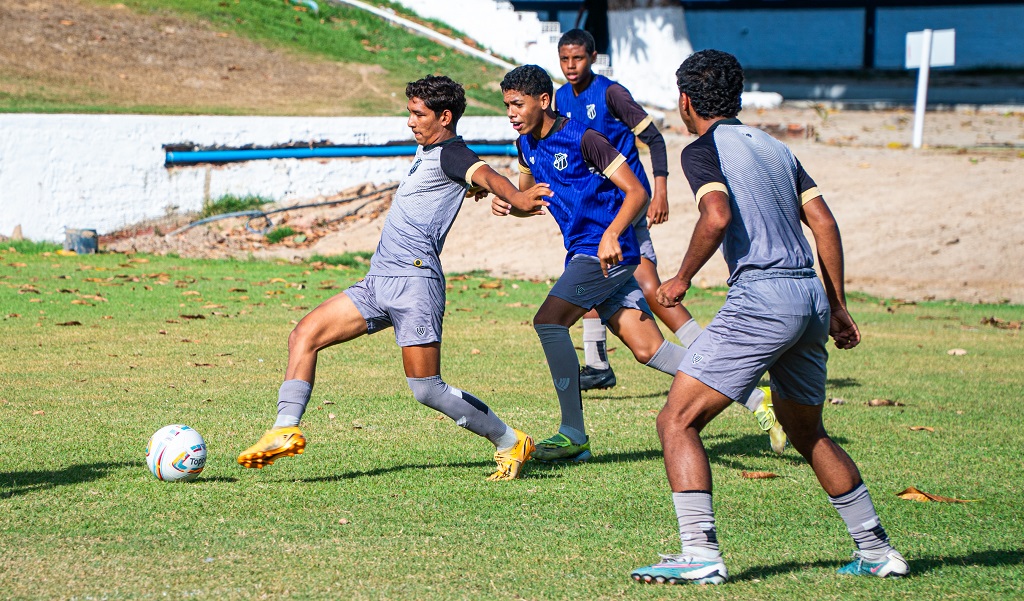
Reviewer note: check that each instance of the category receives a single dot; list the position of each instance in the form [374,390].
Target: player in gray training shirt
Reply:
[405,286]
[753,194]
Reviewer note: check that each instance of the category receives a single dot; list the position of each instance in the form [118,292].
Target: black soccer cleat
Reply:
[592,378]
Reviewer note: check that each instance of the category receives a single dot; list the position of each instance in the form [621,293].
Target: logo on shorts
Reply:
[562,383]
[695,359]
[580,290]
[561,161]
[421,330]
[591,111]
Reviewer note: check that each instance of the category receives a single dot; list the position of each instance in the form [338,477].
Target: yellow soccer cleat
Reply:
[510,462]
[765,415]
[277,442]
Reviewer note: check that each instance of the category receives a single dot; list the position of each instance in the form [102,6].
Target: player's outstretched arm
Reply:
[818,217]
[715,216]
[508,200]
[609,251]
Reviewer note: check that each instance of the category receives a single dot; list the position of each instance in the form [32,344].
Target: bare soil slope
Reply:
[108,55]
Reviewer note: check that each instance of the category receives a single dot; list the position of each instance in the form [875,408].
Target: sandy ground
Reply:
[917,224]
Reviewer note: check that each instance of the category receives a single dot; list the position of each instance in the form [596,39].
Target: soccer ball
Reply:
[176,453]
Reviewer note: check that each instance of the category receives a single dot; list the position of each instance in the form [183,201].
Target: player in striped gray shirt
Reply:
[405,287]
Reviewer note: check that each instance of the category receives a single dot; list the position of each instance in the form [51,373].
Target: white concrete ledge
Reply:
[103,172]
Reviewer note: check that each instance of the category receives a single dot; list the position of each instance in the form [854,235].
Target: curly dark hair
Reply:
[578,37]
[528,79]
[714,82]
[439,93]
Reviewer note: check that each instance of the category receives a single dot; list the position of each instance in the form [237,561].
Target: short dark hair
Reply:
[528,79]
[439,93]
[714,82]
[578,37]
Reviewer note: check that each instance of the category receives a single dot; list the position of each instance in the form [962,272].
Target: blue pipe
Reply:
[255,154]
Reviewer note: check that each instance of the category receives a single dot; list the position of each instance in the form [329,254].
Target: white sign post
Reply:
[926,49]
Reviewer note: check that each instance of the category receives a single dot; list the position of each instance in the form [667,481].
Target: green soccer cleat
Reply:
[683,569]
[765,414]
[559,448]
[890,565]
[276,443]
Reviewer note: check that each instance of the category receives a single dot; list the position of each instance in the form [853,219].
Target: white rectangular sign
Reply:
[943,48]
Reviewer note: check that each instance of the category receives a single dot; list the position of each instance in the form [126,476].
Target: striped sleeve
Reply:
[702,168]
[805,186]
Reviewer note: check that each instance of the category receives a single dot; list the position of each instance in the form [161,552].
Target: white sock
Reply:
[595,340]
[688,332]
[754,400]
[507,440]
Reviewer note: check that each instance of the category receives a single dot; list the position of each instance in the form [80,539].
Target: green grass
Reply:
[83,518]
[339,33]
[280,233]
[231,203]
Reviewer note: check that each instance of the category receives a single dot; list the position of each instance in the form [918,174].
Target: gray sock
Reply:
[688,332]
[857,510]
[595,341]
[468,411]
[754,400]
[565,373]
[668,358]
[292,398]
[696,518]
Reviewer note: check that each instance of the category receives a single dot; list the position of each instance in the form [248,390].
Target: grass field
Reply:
[389,501]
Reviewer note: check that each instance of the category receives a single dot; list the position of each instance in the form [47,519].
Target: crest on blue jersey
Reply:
[561,161]
[415,166]
[591,111]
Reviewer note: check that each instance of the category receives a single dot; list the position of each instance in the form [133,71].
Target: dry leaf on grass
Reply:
[40,412]
[492,284]
[922,428]
[884,403]
[758,475]
[956,351]
[70,323]
[203,365]
[913,494]
[837,401]
[196,316]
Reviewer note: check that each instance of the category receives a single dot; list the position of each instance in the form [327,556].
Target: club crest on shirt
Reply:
[561,161]
[533,160]
[696,358]
[591,111]
[415,166]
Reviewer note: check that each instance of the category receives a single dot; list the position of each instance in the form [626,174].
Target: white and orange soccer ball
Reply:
[176,453]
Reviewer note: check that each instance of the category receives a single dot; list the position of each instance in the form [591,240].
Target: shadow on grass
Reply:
[19,483]
[918,565]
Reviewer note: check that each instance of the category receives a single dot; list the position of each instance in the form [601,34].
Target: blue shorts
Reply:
[643,236]
[775,321]
[584,285]
[414,306]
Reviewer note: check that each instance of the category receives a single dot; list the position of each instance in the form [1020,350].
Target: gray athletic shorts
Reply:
[775,321]
[643,236]
[413,305]
[583,285]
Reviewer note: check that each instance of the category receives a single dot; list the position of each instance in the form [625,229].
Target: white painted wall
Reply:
[647,46]
[103,172]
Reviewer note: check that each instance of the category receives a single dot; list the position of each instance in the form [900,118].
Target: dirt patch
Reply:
[84,53]
[934,223]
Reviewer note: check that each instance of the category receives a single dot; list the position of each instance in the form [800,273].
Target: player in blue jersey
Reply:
[608,107]
[595,199]
[405,286]
[753,194]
